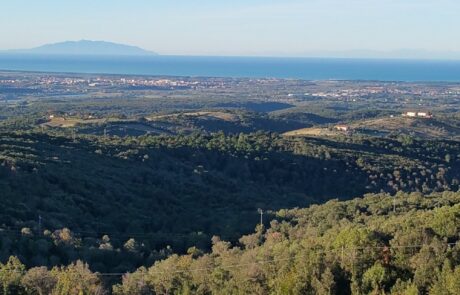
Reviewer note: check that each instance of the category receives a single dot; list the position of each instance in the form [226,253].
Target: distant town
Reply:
[324,107]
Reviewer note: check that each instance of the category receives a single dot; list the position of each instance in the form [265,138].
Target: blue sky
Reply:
[237,27]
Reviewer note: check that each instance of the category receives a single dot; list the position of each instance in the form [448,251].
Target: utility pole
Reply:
[341,255]
[261,212]
[394,204]
[105,132]
[39,225]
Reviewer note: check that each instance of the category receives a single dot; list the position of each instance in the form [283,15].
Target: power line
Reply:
[156,236]
[121,237]
[267,261]
[278,260]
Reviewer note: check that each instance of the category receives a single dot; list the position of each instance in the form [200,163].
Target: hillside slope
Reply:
[406,244]
[181,190]
[389,127]
[418,127]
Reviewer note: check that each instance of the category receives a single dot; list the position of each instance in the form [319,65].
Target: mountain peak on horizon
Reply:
[88,47]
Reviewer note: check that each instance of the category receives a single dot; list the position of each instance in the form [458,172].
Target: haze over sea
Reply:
[260,67]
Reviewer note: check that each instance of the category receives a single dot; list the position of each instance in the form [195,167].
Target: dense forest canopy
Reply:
[154,185]
[379,244]
[406,244]
[197,186]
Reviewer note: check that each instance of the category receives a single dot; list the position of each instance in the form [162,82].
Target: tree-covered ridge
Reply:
[378,244]
[178,191]
[407,244]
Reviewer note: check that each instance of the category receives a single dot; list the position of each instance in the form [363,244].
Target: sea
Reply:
[239,67]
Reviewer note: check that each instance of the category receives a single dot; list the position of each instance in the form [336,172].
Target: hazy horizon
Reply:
[354,54]
[293,28]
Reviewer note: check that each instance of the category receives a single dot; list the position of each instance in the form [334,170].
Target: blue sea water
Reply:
[261,67]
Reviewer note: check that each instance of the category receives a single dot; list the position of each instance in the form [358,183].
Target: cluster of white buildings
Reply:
[413,114]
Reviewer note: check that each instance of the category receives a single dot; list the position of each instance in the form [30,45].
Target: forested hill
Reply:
[95,194]
[406,244]
[402,245]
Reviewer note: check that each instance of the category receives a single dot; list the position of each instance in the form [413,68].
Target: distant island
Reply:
[85,47]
